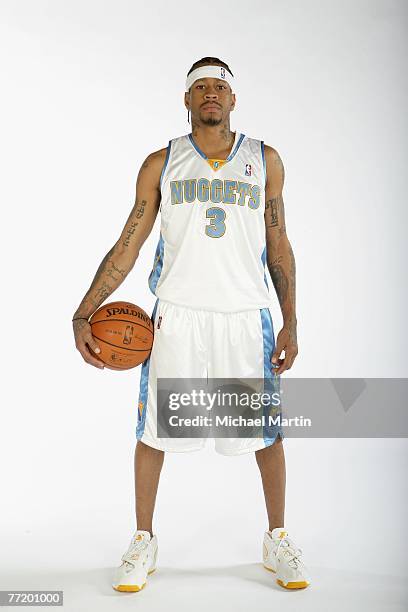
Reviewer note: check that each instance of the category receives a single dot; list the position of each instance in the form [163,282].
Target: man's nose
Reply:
[211,95]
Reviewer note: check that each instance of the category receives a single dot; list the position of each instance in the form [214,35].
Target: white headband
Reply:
[215,72]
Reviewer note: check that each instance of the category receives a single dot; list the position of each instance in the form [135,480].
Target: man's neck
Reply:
[214,138]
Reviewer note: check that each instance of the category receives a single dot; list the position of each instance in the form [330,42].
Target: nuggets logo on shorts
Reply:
[141,404]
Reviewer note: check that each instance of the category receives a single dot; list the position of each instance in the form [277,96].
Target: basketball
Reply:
[124,333]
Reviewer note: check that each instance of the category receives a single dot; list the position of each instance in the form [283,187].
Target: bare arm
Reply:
[121,258]
[280,259]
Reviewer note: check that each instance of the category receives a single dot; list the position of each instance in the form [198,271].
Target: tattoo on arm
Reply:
[100,289]
[137,213]
[274,214]
[102,265]
[280,281]
[283,274]
[292,274]
[108,275]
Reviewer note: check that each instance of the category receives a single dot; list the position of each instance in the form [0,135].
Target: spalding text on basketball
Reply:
[126,311]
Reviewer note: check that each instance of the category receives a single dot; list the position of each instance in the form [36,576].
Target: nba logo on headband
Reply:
[213,72]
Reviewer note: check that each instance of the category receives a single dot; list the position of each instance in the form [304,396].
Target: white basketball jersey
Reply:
[212,248]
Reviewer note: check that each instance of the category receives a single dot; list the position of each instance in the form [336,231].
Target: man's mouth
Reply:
[211,107]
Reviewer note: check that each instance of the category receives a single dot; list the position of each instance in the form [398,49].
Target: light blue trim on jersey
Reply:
[241,138]
[204,156]
[197,148]
[165,163]
[157,265]
[144,387]
[263,257]
[271,382]
[263,158]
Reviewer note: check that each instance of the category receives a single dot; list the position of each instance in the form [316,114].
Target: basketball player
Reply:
[222,218]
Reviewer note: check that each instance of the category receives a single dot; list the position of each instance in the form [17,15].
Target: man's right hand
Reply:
[85,341]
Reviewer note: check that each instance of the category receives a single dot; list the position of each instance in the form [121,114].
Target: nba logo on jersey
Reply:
[159,322]
[248,170]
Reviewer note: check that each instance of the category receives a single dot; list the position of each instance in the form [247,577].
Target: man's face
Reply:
[210,101]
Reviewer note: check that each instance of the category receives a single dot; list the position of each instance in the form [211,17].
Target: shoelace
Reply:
[289,550]
[133,552]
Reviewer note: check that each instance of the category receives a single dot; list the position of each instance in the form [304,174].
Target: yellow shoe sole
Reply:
[301,584]
[132,588]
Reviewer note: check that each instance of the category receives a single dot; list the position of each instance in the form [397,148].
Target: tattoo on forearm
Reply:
[103,291]
[96,295]
[113,270]
[292,274]
[280,282]
[79,324]
[100,288]
[102,265]
[291,326]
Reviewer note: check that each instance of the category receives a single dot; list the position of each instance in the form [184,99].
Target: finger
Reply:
[89,358]
[280,370]
[287,362]
[293,353]
[292,358]
[91,342]
[277,353]
[95,359]
[276,365]
[283,365]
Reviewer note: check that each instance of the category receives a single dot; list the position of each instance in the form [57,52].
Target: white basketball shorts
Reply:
[191,343]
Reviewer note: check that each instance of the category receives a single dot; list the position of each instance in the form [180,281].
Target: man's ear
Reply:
[187,100]
[233,102]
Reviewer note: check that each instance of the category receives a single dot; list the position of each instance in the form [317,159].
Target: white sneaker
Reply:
[138,561]
[281,556]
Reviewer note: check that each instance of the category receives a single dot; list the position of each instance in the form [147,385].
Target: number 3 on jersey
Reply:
[216,228]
